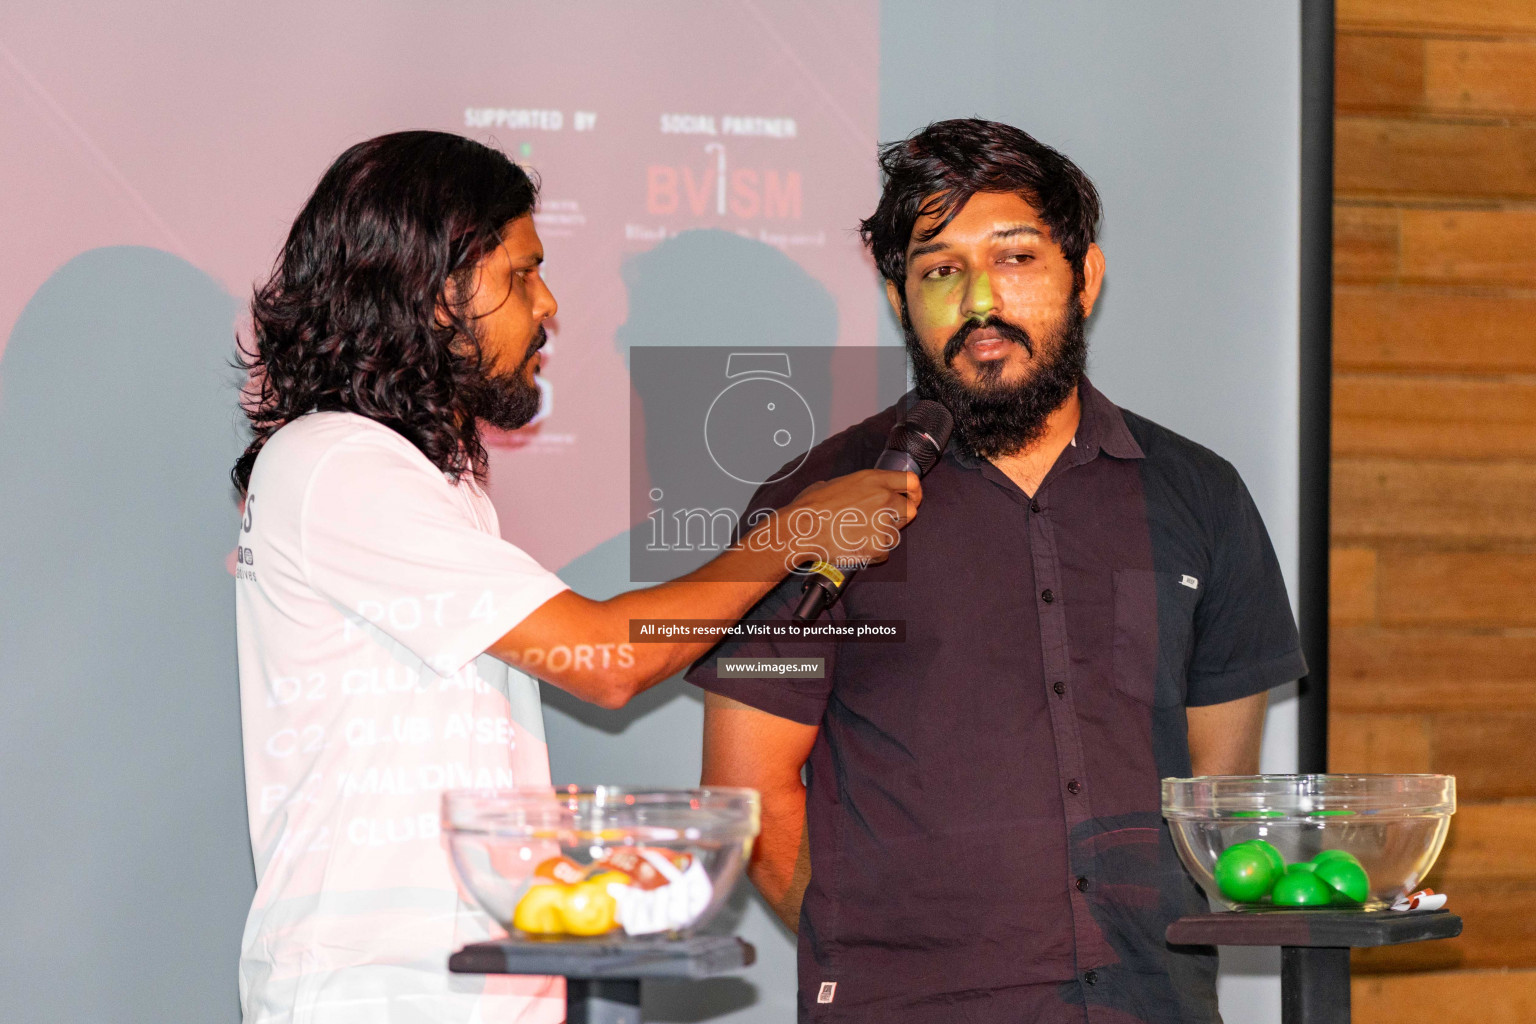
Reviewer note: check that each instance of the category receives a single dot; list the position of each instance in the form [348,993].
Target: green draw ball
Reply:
[1268,849]
[1306,866]
[1346,878]
[1328,855]
[1301,889]
[1244,873]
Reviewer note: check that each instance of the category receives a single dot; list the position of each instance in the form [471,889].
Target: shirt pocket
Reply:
[1154,634]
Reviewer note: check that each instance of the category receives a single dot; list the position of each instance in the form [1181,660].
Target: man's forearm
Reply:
[781,861]
[597,659]
[1225,739]
[584,646]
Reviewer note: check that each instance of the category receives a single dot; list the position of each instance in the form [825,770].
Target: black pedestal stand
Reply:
[603,981]
[1314,948]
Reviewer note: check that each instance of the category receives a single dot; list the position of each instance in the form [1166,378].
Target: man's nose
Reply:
[978,303]
[547,306]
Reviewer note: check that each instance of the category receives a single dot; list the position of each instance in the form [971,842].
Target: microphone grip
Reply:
[815,599]
[826,584]
[893,458]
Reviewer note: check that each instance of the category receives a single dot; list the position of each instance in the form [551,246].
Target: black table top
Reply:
[699,957]
[1332,928]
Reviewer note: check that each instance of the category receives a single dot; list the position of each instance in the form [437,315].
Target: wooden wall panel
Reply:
[1400,75]
[1461,997]
[1377,669]
[1379,156]
[1433,500]
[1433,417]
[1379,73]
[1366,243]
[1476,76]
[1408,329]
[1491,247]
[1379,743]
[1479,589]
[1433,636]
[1490,755]
[1438,16]
[1352,585]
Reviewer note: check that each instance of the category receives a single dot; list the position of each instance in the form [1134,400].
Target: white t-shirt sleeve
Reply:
[384,536]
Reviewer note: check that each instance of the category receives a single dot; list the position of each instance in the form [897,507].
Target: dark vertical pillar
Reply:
[602,1001]
[1314,985]
[1316,344]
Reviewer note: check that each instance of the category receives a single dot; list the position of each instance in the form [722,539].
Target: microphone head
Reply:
[923,433]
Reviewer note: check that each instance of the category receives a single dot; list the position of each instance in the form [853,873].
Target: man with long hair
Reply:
[381,614]
[1092,603]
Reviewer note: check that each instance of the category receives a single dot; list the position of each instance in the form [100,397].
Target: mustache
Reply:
[1008,331]
[539,339]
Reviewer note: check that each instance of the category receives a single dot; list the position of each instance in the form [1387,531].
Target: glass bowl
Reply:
[605,864]
[1391,826]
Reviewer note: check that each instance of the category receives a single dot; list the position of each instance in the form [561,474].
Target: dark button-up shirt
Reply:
[983,807]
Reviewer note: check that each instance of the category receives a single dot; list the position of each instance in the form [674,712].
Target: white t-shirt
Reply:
[368,587]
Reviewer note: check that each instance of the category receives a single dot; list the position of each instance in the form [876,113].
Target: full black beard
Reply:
[993,419]
[507,401]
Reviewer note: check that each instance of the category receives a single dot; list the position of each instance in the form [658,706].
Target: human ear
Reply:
[893,296]
[1093,277]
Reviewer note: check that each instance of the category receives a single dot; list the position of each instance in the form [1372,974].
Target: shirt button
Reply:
[1074,787]
[1047,596]
[1060,687]
[1090,977]
[1082,884]
[1034,506]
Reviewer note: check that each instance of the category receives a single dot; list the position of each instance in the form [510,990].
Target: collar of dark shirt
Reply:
[1100,429]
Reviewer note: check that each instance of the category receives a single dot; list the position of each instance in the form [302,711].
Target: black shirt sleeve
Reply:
[1245,633]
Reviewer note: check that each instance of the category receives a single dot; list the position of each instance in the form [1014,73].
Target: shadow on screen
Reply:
[708,289]
[128,868]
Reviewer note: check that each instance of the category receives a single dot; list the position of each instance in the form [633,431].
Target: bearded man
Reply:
[380,612]
[1091,604]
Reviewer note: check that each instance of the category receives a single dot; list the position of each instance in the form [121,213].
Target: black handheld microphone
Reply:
[914,446]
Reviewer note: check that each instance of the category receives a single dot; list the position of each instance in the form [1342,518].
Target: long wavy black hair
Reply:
[358,315]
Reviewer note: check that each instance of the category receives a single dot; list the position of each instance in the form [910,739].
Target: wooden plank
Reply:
[1383,156]
[1491,848]
[1431,500]
[1379,72]
[1470,76]
[1373,743]
[1414,329]
[1469,588]
[1445,997]
[1352,585]
[1490,754]
[1366,242]
[1469,246]
[1417,669]
[1407,691]
[1433,417]
[1490,16]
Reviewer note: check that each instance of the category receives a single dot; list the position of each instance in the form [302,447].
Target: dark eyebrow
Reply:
[999,234]
[1021,229]
[924,250]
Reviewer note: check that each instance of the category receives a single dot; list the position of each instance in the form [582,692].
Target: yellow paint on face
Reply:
[937,302]
[978,298]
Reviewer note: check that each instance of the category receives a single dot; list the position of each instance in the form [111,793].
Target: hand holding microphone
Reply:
[913,447]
